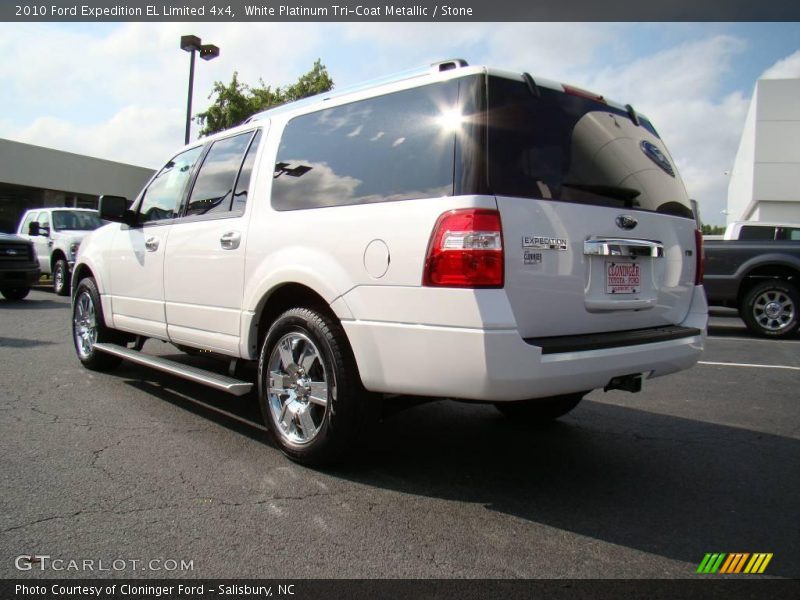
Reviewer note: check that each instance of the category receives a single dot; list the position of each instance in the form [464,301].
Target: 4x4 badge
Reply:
[626,222]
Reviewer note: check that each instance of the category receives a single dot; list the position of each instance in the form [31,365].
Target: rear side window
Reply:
[571,148]
[757,232]
[788,233]
[213,188]
[393,147]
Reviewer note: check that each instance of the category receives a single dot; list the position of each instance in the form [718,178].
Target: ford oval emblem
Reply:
[653,153]
[626,222]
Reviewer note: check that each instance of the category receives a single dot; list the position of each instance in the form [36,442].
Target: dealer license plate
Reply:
[623,277]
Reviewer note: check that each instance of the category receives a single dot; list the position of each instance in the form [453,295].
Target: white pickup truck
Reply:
[457,232]
[56,234]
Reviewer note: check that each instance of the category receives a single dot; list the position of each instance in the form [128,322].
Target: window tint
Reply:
[243,183]
[213,188]
[75,220]
[163,197]
[571,148]
[788,233]
[757,232]
[392,147]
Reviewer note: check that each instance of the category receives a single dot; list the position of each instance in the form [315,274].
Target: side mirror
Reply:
[34,229]
[115,208]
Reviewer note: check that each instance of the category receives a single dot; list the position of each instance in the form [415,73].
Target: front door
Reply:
[43,242]
[136,259]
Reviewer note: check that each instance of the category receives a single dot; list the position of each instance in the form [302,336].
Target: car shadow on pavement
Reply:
[660,484]
[23,343]
[656,483]
[31,303]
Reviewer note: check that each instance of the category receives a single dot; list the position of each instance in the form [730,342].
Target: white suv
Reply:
[456,231]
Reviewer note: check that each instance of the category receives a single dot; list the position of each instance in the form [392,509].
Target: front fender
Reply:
[90,256]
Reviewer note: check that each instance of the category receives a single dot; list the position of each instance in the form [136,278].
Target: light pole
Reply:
[192,44]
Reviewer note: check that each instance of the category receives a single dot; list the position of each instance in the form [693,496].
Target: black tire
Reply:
[15,293]
[770,309]
[540,410]
[330,366]
[86,294]
[61,283]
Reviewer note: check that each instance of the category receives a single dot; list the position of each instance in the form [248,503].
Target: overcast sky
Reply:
[118,91]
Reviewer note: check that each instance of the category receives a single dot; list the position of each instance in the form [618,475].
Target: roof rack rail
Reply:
[437,67]
[449,64]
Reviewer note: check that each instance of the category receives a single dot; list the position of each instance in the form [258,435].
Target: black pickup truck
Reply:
[19,268]
[760,278]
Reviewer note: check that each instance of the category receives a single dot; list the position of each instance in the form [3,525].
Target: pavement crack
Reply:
[96,454]
[44,520]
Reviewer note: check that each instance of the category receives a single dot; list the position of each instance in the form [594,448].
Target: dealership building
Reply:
[37,177]
[765,181]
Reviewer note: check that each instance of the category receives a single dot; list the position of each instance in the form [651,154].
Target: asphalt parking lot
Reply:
[140,466]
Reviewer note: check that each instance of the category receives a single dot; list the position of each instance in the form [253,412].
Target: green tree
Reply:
[234,102]
[713,230]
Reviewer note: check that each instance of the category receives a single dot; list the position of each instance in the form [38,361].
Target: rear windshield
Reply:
[548,144]
[75,220]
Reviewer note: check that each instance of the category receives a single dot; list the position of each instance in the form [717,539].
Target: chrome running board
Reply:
[208,378]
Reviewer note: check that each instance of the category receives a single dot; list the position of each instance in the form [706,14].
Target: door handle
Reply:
[623,247]
[230,240]
[151,244]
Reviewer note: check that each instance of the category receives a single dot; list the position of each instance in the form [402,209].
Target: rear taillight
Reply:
[466,250]
[699,266]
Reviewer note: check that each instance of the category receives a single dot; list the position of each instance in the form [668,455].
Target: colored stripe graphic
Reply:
[758,563]
[734,563]
[722,563]
[711,562]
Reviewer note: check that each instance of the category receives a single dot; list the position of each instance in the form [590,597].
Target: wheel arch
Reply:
[81,271]
[85,269]
[279,299]
[56,255]
[780,269]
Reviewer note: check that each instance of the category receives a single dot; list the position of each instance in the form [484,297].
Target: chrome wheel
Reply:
[297,388]
[84,324]
[774,310]
[58,278]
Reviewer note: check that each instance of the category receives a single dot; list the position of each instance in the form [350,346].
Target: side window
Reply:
[757,232]
[788,233]
[243,183]
[28,220]
[393,147]
[44,219]
[162,198]
[213,188]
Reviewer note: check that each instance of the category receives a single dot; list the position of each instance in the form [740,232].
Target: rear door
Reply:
[204,261]
[599,232]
